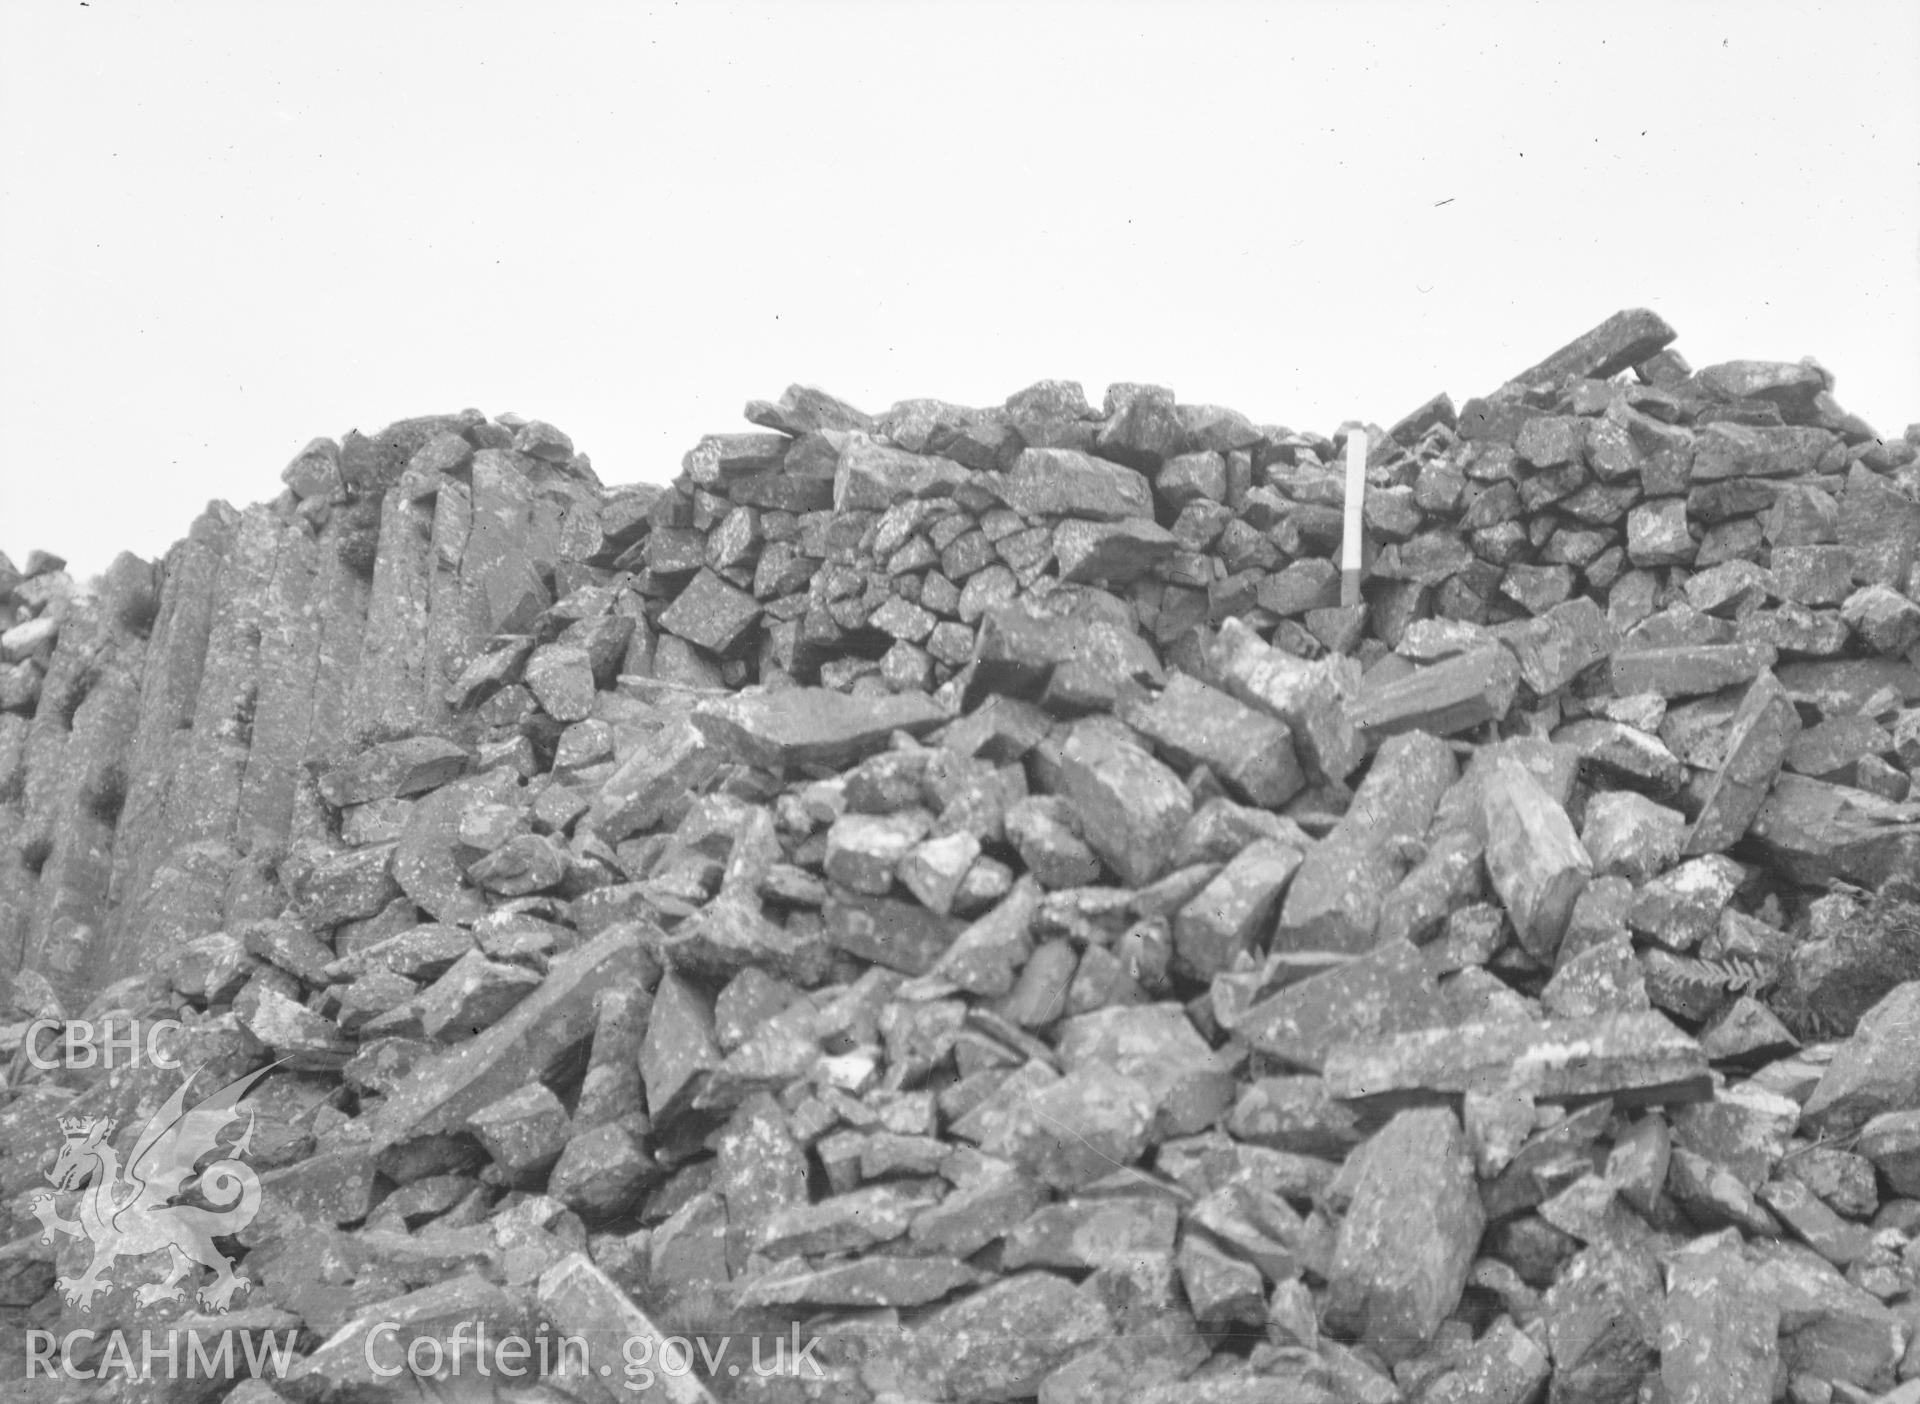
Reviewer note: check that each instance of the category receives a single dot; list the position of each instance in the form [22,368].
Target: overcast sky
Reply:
[228,228]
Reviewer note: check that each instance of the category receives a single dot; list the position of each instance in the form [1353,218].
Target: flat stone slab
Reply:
[873,1282]
[813,725]
[406,767]
[1758,451]
[679,1050]
[1634,1058]
[1456,695]
[1622,341]
[1688,670]
[841,1223]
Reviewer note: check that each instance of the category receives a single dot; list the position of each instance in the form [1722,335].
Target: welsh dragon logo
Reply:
[128,1213]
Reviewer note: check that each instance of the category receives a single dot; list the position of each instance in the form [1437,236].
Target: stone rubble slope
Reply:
[958,886]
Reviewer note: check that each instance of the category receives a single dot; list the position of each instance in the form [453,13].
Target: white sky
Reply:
[227,228]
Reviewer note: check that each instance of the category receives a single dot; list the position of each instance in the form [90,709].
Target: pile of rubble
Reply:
[958,889]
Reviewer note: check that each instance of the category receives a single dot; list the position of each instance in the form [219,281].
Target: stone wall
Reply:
[960,877]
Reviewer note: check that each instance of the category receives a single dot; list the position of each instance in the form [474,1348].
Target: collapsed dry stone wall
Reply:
[959,885]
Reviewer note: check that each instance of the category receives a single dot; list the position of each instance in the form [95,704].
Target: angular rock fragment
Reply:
[1879,524]
[1158,1047]
[1604,1317]
[1891,1141]
[523,1131]
[561,679]
[474,994]
[1816,833]
[1409,1234]
[1626,751]
[1061,482]
[1199,725]
[1389,990]
[294,1032]
[583,1302]
[1758,451]
[1222,1289]
[1875,1071]
[1234,912]
[602,1172]
[863,850]
[680,1050]
[1505,1366]
[523,864]
[1830,1328]
[1077,1129]
[659,774]
[427,862]
[1556,647]
[1687,670]
[1037,649]
[842,1222]
[443,1092]
[1077,1234]
[870,476]
[902,936]
[1456,695]
[1537,863]
[1657,534]
[1335,899]
[711,613]
[1116,553]
[1310,698]
[1682,907]
[1131,807]
[1002,1341]
[984,956]
[1758,738]
[1628,835]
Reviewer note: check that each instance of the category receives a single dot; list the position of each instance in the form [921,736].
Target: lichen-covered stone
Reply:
[1409,1234]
